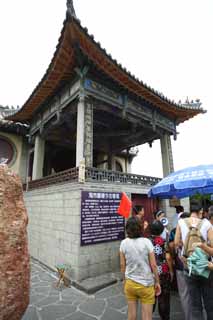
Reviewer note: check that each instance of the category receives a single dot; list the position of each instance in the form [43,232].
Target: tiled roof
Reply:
[187,105]
[46,87]
[11,126]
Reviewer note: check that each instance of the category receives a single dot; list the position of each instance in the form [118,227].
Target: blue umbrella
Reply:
[185,183]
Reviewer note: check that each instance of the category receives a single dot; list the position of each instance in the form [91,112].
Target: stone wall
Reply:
[54,229]
[171,211]
[185,202]
[54,225]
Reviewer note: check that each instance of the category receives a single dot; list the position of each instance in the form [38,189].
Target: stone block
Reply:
[92,285]
[67,246]
[74,195]
[14,265]
[68,203]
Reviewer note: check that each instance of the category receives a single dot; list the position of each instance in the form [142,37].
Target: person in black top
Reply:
[165,268]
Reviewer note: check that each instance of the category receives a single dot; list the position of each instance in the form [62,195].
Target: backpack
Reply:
[198,263]
[193,236]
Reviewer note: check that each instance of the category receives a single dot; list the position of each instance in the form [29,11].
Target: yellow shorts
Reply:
[136,291]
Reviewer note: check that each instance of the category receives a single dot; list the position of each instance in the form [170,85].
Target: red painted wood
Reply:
[150,205]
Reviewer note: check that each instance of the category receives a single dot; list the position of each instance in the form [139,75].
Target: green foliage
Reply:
[202,197]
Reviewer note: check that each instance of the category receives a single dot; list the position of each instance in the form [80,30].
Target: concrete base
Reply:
[92,285]
[55,229]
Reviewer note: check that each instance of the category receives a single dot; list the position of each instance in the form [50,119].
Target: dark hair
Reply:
[205,208]
[195,208]
[179,209]
[138,208]
[158,213]
[185,215]
[133,228]
[156,228]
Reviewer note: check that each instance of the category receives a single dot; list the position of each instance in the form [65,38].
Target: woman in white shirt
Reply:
[139,267]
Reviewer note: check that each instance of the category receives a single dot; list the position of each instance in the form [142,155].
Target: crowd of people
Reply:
[155,261]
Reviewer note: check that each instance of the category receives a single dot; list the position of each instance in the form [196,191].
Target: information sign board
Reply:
[100,221]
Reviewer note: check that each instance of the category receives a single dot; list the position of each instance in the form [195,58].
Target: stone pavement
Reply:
[49,303]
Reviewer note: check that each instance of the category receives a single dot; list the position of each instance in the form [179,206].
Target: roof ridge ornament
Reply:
[70,9]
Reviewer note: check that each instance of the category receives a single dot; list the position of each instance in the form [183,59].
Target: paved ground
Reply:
[49,303]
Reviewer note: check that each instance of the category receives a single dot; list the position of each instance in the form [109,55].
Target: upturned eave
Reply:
[62,68]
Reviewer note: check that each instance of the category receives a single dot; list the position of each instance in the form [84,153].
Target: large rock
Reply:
[14,256]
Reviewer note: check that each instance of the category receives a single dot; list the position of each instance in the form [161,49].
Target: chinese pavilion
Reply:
[84,119]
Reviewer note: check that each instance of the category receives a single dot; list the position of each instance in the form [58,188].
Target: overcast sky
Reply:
[166,43]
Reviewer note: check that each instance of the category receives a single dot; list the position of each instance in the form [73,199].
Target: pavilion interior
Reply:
[114,133]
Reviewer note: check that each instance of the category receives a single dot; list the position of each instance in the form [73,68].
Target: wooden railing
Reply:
[91,175]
